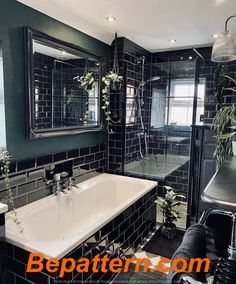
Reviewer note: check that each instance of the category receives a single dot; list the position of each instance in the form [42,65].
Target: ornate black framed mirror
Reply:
[63,86]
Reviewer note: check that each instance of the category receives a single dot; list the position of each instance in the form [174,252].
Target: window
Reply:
[2,107]
[130,105]
[181,101]
[158,108]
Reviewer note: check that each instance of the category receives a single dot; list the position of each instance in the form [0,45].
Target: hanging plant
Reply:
[109,79]
[112,82]
[86,81]
[219,84]
[5,162]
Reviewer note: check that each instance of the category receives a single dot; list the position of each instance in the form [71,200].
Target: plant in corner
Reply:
[224,125]
[170,214]
[224,121]
[5,162]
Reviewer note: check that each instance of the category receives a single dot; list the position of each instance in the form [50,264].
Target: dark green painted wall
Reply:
[13,17]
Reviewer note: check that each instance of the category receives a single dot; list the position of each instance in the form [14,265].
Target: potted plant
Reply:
[109,79]
[170,214]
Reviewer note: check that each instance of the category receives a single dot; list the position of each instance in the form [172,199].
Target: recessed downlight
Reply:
[172,40]
[111,19]
[215,35]
[63,52]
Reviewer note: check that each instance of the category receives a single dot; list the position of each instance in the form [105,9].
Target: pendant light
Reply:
[224,48]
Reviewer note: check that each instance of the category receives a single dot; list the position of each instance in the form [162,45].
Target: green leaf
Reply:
[225,136]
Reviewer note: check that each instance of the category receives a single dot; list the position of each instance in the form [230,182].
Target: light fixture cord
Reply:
[226,22]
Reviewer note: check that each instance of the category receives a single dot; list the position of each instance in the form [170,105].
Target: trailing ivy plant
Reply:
[109,79]
[86,82]
[5,162]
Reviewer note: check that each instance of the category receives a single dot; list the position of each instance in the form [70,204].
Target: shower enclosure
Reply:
[163,100]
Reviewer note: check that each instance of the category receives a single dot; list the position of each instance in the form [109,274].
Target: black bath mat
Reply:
[163,247]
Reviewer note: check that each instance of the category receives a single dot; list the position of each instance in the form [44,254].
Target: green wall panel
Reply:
[13,17]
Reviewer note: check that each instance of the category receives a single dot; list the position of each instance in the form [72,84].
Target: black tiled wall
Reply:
[65,104]
[27,176]
[121,237]
[178,179]
[164,141]
[128,53]
[43,66]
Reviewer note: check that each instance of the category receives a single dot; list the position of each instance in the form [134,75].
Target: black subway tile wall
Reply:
[67,104]
[43,66]
[121,237]
[124,141]
[27,176]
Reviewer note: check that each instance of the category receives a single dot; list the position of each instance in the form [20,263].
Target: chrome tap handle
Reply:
[71,182]
[63,187]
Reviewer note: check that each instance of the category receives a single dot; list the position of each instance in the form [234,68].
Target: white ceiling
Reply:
[53,52]
[149,23]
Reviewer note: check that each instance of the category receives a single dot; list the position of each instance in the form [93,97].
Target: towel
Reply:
[192,246]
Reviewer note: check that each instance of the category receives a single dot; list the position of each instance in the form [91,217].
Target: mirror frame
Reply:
[30,34]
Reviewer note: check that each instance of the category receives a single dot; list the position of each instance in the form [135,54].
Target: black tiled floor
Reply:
[161,246]
[140,277]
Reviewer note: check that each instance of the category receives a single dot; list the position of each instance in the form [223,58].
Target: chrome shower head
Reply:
[155,78]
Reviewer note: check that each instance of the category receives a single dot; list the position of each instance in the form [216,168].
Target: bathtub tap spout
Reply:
[57,179]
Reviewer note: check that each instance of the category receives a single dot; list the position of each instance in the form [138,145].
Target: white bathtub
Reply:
[57,224]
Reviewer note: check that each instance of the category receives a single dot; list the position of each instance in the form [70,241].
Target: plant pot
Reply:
[116,86]
[169,231]
[234,147]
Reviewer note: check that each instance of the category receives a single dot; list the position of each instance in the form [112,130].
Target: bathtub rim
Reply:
[50,249]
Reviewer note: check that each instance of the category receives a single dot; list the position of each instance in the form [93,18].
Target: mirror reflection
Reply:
[66,89]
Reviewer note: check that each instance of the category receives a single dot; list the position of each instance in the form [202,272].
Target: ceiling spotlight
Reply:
[63,52]
[172,40]
[111,19]
[215,35]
